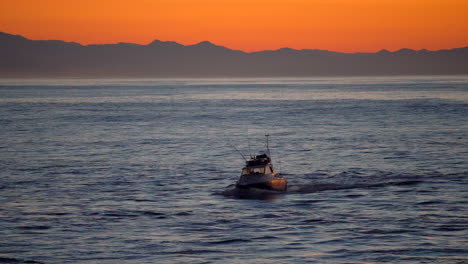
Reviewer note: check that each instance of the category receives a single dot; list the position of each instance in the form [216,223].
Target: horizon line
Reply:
[212,43]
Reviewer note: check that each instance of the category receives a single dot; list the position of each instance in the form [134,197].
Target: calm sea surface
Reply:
[141,170]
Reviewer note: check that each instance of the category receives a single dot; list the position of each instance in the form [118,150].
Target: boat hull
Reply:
[280,185]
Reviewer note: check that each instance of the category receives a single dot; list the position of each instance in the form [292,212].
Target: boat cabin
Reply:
[258,160]
[258,174]
[260,164]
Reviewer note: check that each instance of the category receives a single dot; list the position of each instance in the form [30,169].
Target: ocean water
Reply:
[142,170]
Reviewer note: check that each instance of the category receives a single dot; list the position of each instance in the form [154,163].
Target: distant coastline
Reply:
[22,57]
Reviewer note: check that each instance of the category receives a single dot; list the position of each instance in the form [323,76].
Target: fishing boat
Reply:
[258,173]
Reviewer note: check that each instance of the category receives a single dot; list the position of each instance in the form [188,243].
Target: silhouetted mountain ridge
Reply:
[22,57]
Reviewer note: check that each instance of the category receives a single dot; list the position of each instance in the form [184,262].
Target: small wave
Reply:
[17,261]
[193,252]
[267,237]
[38,227]
[315,220]
[183,213]
[431,202]
[134,214]
[410,182]
[415,251]
[241,240]
[152,213]
[230,241]
[450,228]
[57,213]
[388,231]
[271,216]
[117,214]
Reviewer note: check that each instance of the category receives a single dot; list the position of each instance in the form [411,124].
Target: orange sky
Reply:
[249,25]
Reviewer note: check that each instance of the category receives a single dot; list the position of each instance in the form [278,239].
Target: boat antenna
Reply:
[238,151]
[248,142]
[279,160]
[268,147]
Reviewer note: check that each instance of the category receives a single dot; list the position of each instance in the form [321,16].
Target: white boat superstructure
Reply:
[259,173]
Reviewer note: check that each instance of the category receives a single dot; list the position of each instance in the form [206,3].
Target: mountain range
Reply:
[22,57]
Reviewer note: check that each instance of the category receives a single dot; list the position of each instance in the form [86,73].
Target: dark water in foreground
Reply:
[140,171]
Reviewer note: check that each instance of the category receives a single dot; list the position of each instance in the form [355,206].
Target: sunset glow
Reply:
[249,25]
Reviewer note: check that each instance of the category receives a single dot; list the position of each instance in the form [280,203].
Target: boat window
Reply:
[253,171]
[258,170]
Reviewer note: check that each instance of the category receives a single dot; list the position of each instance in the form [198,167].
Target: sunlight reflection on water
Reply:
[141,170]
[273,89]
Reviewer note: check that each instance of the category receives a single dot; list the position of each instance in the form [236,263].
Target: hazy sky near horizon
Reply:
[249,25]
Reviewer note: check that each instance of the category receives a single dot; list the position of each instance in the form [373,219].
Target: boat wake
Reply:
[322,182]
[262,194]
[320,187]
